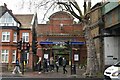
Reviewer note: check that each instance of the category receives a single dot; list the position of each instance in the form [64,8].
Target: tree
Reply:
[92,63]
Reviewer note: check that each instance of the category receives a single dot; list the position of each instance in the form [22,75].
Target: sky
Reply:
[15,6]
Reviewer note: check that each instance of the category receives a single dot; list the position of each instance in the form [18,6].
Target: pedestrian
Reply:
[45,65]
[39,65]
[51,64]
[57,65]
[48,65]
[17,67]
[64,65]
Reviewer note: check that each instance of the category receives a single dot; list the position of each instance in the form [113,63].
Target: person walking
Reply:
[57,65]
[48,65]
[45,65]
[17,67]
[64,66]
[39,65]
[51,64]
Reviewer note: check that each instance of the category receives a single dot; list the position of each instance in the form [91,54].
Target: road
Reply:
[20,78]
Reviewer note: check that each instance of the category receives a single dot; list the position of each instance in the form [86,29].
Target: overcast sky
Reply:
[15,6]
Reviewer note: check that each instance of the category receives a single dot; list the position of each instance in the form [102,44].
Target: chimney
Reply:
[89,5]
[5,5]
[10,11]
[84,7]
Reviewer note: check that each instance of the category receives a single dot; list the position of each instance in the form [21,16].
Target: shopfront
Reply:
[58,50]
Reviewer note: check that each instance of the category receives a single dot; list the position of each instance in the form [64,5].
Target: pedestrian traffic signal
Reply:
[19,45]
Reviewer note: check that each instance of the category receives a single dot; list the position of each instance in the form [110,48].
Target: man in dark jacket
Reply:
[45,65]
[64,66]
[57,65]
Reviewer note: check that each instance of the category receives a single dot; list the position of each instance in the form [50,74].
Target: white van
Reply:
[113,72]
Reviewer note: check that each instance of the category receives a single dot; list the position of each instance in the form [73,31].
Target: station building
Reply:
[53,35]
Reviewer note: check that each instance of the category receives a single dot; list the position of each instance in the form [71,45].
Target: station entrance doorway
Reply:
[59,54]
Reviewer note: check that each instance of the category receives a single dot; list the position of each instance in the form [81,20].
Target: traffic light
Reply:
[19,45]
[34,46]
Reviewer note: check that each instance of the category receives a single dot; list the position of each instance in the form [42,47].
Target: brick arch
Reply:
[61,14]
[61,17]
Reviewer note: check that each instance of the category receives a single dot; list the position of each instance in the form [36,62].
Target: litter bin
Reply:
[73,69]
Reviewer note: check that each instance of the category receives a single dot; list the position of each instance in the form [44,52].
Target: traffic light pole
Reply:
[69,47]
[71,57]
[23,46]
[34,49]
[22,57]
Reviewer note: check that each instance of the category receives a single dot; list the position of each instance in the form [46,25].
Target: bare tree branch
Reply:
[77,7]
[70,9]
[38,6]
[48,10]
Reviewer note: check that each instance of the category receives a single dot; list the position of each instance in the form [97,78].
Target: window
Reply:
[14,56]
[6,20]
[15,37]
[25,37]
[9,19]
[4,56]
[5,36]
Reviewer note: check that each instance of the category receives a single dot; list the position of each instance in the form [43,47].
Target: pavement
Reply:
[52,74]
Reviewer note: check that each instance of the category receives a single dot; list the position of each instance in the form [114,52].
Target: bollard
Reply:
[73,69]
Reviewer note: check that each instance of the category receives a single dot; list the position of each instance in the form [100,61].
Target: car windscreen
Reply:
[117,64]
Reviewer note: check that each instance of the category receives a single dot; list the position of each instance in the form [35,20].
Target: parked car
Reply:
[113,72]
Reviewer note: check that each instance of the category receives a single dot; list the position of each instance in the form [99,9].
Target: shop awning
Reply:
[47,42]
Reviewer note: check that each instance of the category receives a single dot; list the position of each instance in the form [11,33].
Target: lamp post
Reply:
[69,47]
[71,56]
